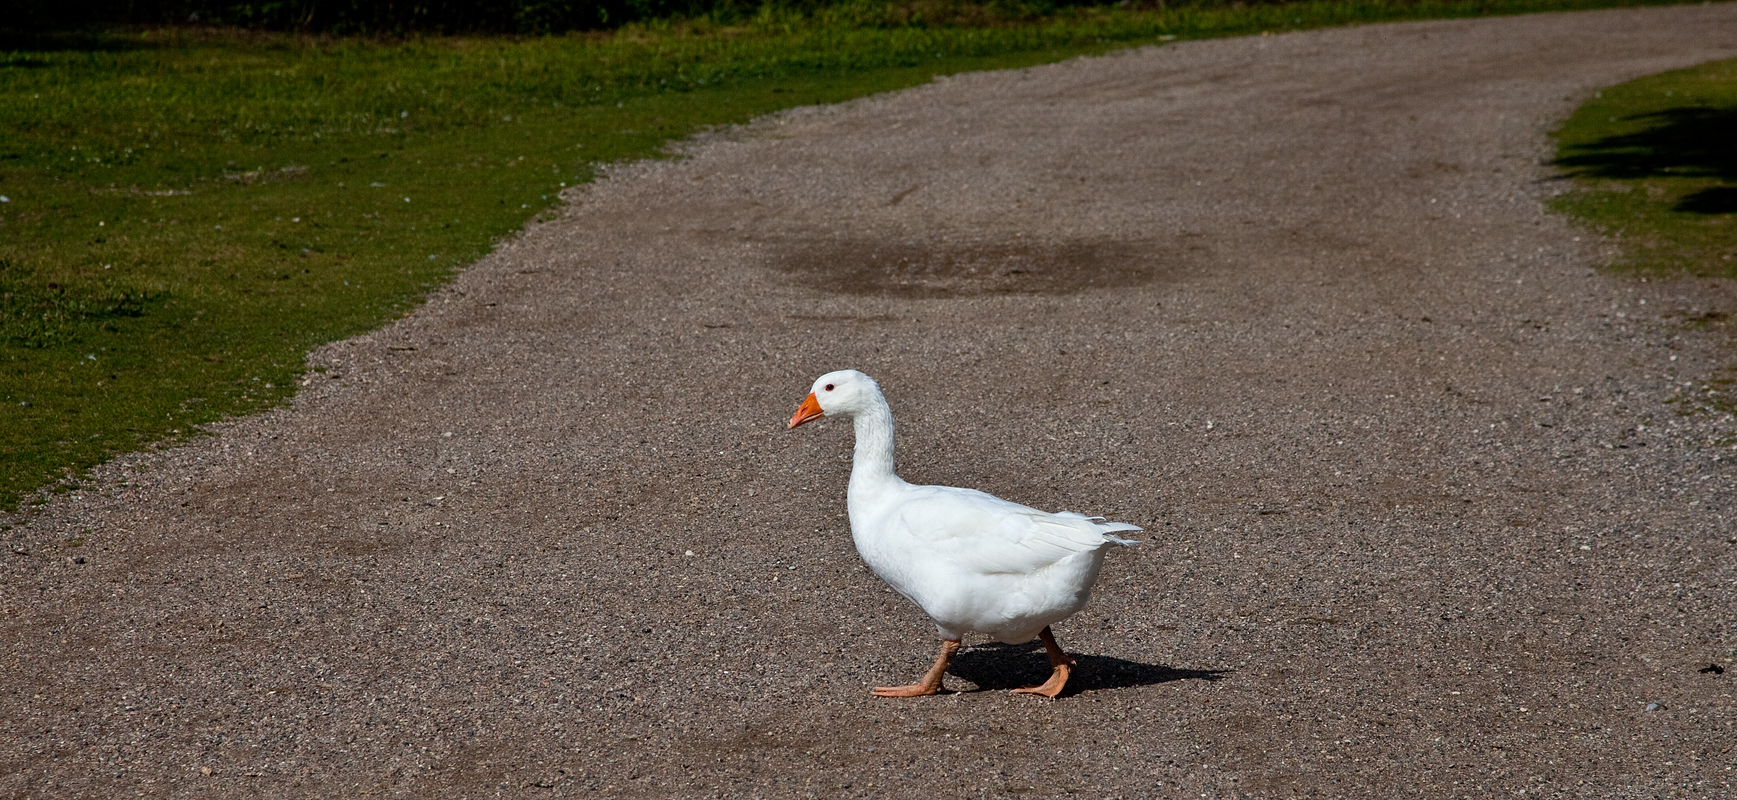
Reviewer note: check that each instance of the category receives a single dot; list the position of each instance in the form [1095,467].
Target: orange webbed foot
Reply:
[931,682]
[1061,666]
[1058,679]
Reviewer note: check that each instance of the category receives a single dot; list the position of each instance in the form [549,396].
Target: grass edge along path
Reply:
[1653,166]
[187,214]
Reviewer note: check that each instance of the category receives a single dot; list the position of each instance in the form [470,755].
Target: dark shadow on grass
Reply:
[1717,200]
[996,666]
[26,40]
[1690,142]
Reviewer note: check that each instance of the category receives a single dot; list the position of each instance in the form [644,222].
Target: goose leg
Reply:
[1061,664]
[931,681]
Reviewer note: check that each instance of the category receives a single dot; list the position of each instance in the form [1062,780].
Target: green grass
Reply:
[190,212]
[1655,167]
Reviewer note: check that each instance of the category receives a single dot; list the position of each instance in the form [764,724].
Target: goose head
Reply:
[844,393]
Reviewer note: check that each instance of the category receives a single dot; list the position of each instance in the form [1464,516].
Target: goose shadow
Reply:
[996,666]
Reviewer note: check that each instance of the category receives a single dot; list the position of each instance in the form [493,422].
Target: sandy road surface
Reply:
[1421,521]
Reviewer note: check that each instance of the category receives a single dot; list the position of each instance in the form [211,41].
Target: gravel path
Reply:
[1431,509]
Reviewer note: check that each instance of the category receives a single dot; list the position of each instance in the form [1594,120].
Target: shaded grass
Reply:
[188,212]
[1655,166]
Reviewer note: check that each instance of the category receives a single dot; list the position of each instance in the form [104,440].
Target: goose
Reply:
[975,563]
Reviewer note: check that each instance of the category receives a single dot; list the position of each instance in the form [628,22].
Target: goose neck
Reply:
[874,445]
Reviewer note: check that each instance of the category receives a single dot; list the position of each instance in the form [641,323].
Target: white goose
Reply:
[972,561]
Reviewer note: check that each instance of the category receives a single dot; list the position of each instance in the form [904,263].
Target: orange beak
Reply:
[809,412]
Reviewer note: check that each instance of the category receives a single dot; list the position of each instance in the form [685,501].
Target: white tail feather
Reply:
[1110,529]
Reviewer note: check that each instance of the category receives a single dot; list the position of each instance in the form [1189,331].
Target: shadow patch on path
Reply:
[996,666]
[914,269]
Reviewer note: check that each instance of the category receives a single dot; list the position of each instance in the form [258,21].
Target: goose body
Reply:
[975,563]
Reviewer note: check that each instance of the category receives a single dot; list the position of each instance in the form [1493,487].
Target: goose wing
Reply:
[984,534]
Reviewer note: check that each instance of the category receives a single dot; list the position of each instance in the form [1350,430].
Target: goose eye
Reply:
[829,387]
